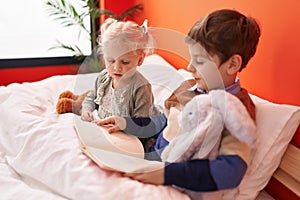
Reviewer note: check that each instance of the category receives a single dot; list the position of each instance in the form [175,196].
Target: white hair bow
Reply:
[144,26]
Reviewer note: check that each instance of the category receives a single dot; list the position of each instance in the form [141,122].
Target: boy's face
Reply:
[204,68]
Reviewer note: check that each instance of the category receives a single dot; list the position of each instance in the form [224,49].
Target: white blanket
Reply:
[40,157]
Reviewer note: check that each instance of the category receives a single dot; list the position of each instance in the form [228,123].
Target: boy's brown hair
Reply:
[225,33]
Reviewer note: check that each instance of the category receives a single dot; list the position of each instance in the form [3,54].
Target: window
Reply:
[28,32]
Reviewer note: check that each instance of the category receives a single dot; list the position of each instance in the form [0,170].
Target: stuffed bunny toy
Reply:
[201,123]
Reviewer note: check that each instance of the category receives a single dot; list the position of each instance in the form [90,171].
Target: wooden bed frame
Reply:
[285,183]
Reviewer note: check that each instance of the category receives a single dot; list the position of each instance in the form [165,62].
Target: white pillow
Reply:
[276,125]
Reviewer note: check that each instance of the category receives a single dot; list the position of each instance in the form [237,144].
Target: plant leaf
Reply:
[130,12]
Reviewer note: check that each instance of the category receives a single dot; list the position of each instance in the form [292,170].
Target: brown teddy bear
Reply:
[68,102]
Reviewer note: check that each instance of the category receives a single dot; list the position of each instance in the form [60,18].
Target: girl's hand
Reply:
[153,177]
[114,123]
[87,115]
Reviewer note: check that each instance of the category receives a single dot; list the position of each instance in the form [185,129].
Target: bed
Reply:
[40,156]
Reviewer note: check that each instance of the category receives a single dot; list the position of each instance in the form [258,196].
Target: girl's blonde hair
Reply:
[129,33]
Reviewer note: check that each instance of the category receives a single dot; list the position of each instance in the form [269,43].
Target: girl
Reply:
[120,89]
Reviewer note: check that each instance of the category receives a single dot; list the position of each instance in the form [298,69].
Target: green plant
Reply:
[67,14]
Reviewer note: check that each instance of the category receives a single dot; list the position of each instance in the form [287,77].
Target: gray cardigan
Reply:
[134,98]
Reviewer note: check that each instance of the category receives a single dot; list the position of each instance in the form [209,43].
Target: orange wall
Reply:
[273,73]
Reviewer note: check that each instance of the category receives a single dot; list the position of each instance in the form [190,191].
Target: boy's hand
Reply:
[172,129]
[115,123]
[87,115]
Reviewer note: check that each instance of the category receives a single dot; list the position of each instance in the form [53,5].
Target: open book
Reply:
[117,151]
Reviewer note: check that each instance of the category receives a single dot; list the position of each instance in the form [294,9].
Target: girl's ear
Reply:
[142,56]
[234,64]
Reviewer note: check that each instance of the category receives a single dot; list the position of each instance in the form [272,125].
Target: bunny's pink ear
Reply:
[236,118]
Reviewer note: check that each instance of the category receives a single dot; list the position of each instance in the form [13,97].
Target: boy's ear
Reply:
[235,63]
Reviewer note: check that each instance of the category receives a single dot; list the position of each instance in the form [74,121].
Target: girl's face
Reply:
[118,67]
[204,68]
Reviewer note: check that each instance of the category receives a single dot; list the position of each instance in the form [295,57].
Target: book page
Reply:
[121,162]
[117,151]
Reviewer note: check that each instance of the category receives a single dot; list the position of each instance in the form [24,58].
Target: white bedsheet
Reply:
[40,156]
